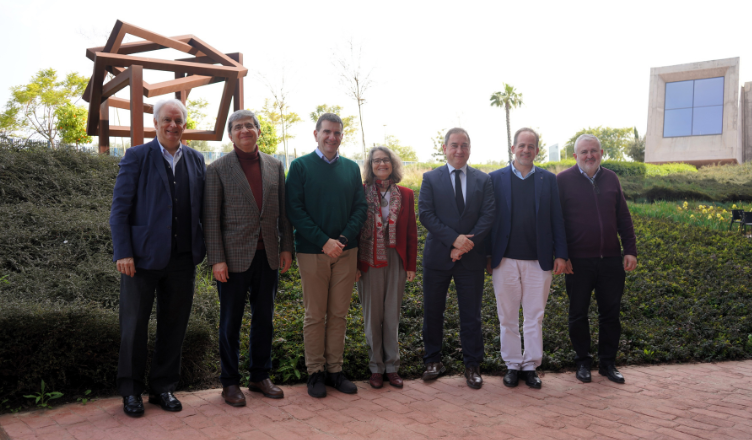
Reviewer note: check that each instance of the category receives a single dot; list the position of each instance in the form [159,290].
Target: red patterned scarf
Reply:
[373,239]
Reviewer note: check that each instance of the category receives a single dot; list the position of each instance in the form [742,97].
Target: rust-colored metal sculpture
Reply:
[198,70]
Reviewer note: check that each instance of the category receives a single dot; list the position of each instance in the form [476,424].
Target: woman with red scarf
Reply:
[387,253]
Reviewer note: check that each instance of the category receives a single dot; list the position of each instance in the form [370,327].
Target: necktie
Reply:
[458,191]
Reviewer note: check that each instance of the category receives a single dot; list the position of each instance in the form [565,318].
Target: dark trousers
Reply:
[469,285]
[606,276]
[174,286]
[260,281]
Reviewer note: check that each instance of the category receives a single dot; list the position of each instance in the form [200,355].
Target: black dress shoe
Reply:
[583,373]
[167,401]
[512,378]
[610,371]
[532,380]
[339,382]
[472,377]
[316,387]
[133,406]
[433,370]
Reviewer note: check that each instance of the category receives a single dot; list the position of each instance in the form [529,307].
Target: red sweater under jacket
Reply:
[594,220]
[407,232]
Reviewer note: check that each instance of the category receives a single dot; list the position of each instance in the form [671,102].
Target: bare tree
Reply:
[354,78]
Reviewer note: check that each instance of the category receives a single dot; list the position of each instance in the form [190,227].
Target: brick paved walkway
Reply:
[658,402]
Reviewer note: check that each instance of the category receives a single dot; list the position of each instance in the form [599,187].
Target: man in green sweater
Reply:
[327,206]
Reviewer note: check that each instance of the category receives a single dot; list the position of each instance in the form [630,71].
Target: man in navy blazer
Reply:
[527,235]
[158,241]
[456,205]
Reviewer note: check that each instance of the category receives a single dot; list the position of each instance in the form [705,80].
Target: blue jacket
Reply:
[439,214]
[141,213]
[549,222]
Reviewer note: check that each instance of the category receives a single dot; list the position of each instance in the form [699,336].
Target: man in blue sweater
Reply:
[527,234]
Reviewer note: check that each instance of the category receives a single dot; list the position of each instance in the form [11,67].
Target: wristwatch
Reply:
[342,239]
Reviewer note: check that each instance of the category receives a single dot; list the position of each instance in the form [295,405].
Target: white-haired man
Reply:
[158,241]
[595,218]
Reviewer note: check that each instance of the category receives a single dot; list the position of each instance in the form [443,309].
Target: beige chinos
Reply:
[327,290]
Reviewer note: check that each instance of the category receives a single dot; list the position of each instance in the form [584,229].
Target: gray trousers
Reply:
[380,291]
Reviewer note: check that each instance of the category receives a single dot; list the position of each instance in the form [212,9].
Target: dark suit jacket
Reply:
[141,214]
[439,214]
[549,222]
[232,220]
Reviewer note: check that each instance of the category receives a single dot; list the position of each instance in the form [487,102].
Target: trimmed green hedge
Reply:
[59,289]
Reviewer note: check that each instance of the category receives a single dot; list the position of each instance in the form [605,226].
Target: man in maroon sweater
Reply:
[595,217]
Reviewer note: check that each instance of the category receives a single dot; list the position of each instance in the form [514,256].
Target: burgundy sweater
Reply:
[595,216]
[251,166]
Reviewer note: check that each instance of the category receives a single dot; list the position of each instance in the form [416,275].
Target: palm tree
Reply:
[508,99]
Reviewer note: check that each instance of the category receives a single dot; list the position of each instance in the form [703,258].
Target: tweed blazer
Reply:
[232,221]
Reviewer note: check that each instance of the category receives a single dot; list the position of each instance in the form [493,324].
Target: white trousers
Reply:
[521,283]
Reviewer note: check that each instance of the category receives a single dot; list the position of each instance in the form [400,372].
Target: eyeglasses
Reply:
[385,161]
[247,126]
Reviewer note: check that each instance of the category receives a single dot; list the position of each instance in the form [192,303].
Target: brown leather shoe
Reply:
[268,388]
[394,379]
[233,395]
[472,377]
[376,380]
[433,370]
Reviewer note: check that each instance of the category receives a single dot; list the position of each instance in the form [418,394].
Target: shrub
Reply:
[59,293]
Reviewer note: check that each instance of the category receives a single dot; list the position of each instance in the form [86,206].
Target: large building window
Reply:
[694,108]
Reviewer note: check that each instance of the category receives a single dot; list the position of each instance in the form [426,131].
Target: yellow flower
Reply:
[704,211]
[679,207]
[719,215]
[710,217]
[685,204]
[733,206]
[692,216]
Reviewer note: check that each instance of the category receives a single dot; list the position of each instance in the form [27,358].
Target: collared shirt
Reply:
[173,160]
[591,179]
[463,179]
[321,155]
[519,174]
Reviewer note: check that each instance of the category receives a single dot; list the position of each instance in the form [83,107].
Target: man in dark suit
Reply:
[158,241]
[244,220]
[454,249]
[527,234]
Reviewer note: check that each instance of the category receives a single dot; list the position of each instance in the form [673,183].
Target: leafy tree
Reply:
[9,122]
[71,120]
[406,153]
[268,141]
[438,140]
[349,127]
[277,113]
[508,99]
[38,100]
[636,148]
[614,141]
[196,116]
[196,113]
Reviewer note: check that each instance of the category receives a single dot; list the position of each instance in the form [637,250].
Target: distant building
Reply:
[696,116]
[553,153]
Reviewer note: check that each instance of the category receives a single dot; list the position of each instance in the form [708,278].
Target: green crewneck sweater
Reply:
[324,201]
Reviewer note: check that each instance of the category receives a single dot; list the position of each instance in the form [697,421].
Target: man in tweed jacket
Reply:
[248,238]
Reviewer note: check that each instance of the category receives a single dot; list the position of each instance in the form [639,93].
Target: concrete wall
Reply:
[697,150]
[745,122]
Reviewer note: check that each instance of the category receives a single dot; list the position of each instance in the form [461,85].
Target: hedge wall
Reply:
[59,289]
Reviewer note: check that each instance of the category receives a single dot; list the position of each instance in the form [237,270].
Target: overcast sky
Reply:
[435,64]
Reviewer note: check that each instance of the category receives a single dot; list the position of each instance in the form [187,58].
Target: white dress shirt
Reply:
[463,180]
